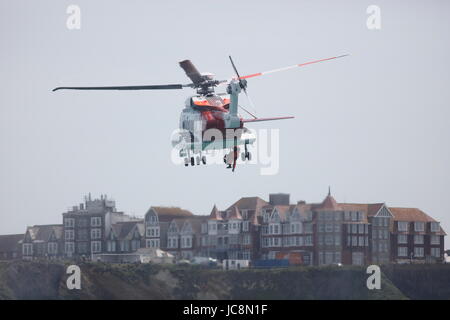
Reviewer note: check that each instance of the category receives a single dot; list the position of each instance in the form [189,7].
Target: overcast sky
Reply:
[374,125]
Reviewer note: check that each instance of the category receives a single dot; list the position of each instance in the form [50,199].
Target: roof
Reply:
[249,203]
[9,242]
[329,203]
[123,229]
[215,214]
[234,214]
[283,210]
[410,215]
[168,213]
[43,232]
[373,208]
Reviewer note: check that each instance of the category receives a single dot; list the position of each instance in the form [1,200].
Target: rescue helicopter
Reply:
[210,120]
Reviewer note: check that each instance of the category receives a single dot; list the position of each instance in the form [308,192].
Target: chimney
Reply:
[277,199]
[301,202]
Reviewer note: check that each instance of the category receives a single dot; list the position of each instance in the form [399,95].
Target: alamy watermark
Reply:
[74,279]
[241,145]
[373,21]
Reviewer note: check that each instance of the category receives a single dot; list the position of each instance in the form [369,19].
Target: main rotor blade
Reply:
[191,71]
[234,67]
[265,119]
[290,67]
[149,87]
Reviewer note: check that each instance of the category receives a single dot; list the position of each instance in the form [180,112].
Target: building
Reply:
[10,247]
[251,229]
[87,228]
[415,237]
[42,242]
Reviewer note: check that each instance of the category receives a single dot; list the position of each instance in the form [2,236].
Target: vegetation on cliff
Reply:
[47,280]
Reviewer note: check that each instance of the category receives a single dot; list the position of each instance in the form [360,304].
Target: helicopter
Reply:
[210,120]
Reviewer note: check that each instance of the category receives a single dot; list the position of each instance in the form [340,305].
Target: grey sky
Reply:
[374,126]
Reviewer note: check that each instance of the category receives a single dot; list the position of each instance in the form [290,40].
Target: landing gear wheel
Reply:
[249,156]
[204,159]
[192,161]
[225,159]
[186,162]
[197,160]
[243,156]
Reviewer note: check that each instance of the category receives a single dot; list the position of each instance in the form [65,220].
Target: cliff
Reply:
[47,280]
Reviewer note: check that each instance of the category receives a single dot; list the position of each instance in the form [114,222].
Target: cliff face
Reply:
[47,280]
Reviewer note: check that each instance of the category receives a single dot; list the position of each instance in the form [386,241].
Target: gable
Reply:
[384,213]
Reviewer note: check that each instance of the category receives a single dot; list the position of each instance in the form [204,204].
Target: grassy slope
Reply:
[42,280]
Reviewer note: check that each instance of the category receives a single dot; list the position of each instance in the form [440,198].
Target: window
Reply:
[361,241]
[436,252]
[361,228]
[69,222]
[419,226]
[347,216]
[246,239]
[329,240]
[328,227]
[354,228]
[69,235]
[52,248]
[96,233]
[96,246]
[152,243]
[244,214]
[152,232]
[135,244]
[337,228]
[186,242]
[69,248]
[354,241]
[418,239]
[245,225]
[276,229]
[320,227]
[276,242]
[204,228]
[357,258]
[435,240]
[96,221]
[434,226]
[402,226]
[27,249]
[308,241]
[111,246]
[418,252]
[328,257]
[402,238]
[402,251]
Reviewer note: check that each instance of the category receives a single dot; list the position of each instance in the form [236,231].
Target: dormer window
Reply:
[434,226]
[419,226]
[402,226]
[244,213]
